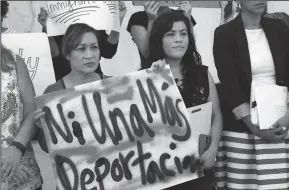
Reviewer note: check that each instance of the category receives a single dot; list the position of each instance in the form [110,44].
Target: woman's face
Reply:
[253,7]
[176,41]
[85,57]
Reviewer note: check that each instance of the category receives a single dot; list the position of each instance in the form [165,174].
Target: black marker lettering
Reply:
[171,112]
[116,166]
[51,121]
[164,169]
[113,117]
[135,114]
[154,171]
[151,103]
[124,162]
[188,133]
[140,161]
[100,177]
[59,160]
[83,175]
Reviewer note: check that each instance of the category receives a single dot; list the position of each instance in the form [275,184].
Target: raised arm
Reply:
[140,34]
[209,156]
[42,18]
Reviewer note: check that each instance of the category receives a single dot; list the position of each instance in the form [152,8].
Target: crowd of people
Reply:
[252,47]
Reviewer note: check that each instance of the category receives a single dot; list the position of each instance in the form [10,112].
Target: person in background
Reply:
[19,168]
[251,48]
[107,42]
[172,42]
[4,11]
[140,24]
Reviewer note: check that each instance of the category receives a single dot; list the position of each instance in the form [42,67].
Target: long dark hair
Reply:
[191,59]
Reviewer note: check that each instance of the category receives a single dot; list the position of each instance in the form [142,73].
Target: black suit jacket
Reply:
[232,60]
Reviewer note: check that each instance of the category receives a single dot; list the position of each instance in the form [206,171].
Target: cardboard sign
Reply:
[101,15]
[200,4]
[129,132]
[35,50]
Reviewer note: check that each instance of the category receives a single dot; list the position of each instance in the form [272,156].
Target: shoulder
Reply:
[139,15]
[138,18]
[54,87]
[225,28]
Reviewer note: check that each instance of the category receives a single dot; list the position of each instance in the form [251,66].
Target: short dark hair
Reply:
[73,37]
[4,8]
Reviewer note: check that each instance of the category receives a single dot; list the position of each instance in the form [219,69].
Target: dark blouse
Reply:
[199,95]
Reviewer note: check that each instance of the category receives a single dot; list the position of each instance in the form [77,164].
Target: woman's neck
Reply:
[251,21]
[75,78]
[175,65]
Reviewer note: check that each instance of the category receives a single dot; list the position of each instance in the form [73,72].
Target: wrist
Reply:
[19,146]
[16,150]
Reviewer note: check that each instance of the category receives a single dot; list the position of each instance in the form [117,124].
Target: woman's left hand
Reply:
[282,123]
[160,64]
[10,159]
[208,158]
[186,7]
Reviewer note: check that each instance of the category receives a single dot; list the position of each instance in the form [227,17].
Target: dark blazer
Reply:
[232,60]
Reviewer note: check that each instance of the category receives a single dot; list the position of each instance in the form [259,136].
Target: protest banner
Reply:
[35,50]
[197,4]
[128,132]
[101,15]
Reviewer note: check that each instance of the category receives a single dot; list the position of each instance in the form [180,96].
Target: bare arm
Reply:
[42,19]
[217,119]
[53,45]
[140,36]
[113,37]
[27,130]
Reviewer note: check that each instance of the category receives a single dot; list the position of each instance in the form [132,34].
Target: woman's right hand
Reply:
[160,64]
[37,114]
[42,17]
[151,9]
[272,134]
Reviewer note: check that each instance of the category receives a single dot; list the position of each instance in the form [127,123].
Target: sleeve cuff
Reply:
[242,111]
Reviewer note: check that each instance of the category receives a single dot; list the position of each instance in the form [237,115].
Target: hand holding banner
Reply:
[128,132]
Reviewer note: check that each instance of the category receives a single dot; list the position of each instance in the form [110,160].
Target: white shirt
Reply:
[262,64]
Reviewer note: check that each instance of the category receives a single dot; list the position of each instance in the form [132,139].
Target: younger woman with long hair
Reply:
[172,41]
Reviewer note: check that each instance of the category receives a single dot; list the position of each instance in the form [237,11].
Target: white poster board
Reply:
[126,133]
[101,15]
[35,50]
